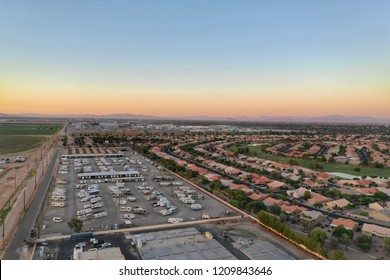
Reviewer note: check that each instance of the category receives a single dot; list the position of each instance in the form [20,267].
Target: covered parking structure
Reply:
[128,175]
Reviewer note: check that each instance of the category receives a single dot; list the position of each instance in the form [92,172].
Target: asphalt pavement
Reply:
[15,248]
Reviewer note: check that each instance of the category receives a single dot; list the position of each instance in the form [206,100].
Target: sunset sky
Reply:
[195,57]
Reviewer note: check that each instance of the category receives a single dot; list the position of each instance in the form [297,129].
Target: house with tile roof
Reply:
[298,193]
[365,191]
[260,180]
[317,198]
[347,223]
[276,185]
[258,196]
[292,208]
[375,231]
[312,216]
[242,187]
[270,201]
[337,204]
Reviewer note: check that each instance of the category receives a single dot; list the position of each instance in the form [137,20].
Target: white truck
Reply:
[140,210]
[187,200]
[95,199]
[58,197]
[57,203]
[128,216]
[84,211]
[175,220]
[196,196]
[85,217]
[97,205]
[99,215]
[196,207]
[125,209]
[131,198]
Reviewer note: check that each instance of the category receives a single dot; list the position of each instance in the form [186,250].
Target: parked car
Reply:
[58,219]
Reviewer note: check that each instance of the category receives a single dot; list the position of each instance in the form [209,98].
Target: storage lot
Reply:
[111,204]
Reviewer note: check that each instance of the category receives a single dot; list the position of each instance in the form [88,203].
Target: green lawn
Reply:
[328,167]
[10,144]
[29,129]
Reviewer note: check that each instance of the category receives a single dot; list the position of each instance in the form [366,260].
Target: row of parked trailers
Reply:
[58,197]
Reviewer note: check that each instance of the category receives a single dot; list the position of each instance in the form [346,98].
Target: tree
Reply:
[338,255]
[381,196]
[216,185]
[364,242]
[75,224]
[340,230]
[255,206]
[283,217]
[306,195]
[204,181]
[318,235]
[275,209]
[346,240]
[386,245]
[334,243]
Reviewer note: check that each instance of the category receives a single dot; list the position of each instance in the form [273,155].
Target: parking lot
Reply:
[116,198]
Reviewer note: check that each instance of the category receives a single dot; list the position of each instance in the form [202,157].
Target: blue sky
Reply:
[218,48]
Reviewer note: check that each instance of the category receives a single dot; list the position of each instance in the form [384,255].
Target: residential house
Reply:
[384,190]
[260,180]
[298,192]
[337,204]
[212,177]
[375,231]
[365,191]
[276,185]
[317,198]
[312,216]
[270,201]
[292,208]
[347,223]
[375,206]
[311,184]
[382,215]
[258,196]
[242,187]
[323,176]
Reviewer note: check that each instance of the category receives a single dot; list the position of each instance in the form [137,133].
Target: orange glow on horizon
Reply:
[193,102]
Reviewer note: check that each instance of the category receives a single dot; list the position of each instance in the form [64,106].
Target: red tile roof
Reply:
[258,196]
[347,223]
[292,208]
[271,201]
[260,180]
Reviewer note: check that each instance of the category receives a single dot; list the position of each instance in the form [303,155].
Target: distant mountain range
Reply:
[337,119]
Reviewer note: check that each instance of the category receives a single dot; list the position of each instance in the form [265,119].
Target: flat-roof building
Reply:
[113,253]
[131,175]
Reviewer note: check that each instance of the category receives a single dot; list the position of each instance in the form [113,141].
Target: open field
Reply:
[328,167]
[29,129]
[10,144]
[20,138]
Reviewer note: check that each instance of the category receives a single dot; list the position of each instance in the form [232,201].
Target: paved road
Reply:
[144,228]
[15,248]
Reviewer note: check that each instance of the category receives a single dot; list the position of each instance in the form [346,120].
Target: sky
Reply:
[195,57]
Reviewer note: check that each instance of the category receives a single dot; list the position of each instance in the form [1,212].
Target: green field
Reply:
[29,129]
[10,144]
[328,167]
